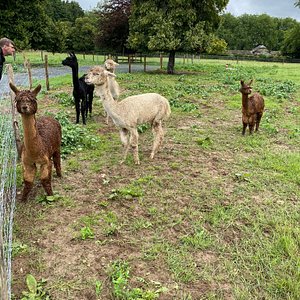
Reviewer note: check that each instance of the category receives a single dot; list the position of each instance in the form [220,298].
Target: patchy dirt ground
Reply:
[181,221]
[71,265]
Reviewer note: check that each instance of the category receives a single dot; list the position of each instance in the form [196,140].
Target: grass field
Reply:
[214,216]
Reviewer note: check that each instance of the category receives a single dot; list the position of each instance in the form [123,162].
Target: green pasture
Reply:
[214,216]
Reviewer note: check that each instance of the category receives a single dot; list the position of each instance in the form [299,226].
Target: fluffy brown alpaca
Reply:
[42,140]
[252,107]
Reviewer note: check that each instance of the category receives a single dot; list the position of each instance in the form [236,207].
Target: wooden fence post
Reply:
[129,63]
[3,280]
[145,63]
[161,60]
[10,74]
[28,67]
[46,73]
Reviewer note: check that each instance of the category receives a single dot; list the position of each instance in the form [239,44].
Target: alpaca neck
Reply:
[245,101]
[31,137]
[106,97]
[75,76]
[109,104]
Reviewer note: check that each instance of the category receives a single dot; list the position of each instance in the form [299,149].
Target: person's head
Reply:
[8,46]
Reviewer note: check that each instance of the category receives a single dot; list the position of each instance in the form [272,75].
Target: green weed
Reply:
[86,233]
[36,289]
[119,272]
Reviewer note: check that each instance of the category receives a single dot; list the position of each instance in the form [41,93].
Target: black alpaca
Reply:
[82,92]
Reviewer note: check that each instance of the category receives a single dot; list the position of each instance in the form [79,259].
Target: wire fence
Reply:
[8,162]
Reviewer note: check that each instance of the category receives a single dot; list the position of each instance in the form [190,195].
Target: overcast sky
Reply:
[274,8]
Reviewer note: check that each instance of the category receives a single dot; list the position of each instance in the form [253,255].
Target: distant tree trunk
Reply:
[171,62]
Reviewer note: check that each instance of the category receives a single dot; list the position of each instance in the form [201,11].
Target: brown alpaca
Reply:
[252,107]
[42,139]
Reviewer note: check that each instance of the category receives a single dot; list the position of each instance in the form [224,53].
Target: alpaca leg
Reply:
[158,134]
[29,172]
[57,162]
[77,107]
[244,128]
[87,106]
[46,177]
[83,109]
[134,143]
[124,135]
[251,127]
[258,118]
[90,103]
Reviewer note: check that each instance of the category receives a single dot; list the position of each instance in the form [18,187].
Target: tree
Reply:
[36,23]
[173,25]
[247,31]
[25,22]
[216,45]
[113,25]
[83,33]
[291,43]
[59,10]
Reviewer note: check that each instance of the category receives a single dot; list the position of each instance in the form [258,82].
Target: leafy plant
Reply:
[86,233]
[36,289]
[65,99]
[44,199]
[126,192]
[111,225]
[204,142]
[120,275]
[98,287]
[75,137]
[18,248]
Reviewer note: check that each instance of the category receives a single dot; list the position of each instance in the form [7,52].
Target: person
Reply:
[7,47]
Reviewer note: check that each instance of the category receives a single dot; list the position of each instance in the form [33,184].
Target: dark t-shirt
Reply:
[2,60]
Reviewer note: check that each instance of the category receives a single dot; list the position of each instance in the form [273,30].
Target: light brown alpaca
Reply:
[110,65]
[252,107]
[42,140]
[130,112]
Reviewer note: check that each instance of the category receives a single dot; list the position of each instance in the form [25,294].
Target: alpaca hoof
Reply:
[137,163]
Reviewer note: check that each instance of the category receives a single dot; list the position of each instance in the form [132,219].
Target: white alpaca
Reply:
[129,113]
[110,65]
[114,87]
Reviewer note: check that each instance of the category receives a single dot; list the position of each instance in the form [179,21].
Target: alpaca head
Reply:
[246,89]
[71,60]
[26,102]
[98,76]
[110,65]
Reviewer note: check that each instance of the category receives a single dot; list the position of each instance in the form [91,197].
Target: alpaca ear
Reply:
[115,63]
[37,90]
[14,88]
[242,82]
[250,82]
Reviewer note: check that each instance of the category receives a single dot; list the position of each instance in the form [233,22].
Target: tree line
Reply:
[127,26]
